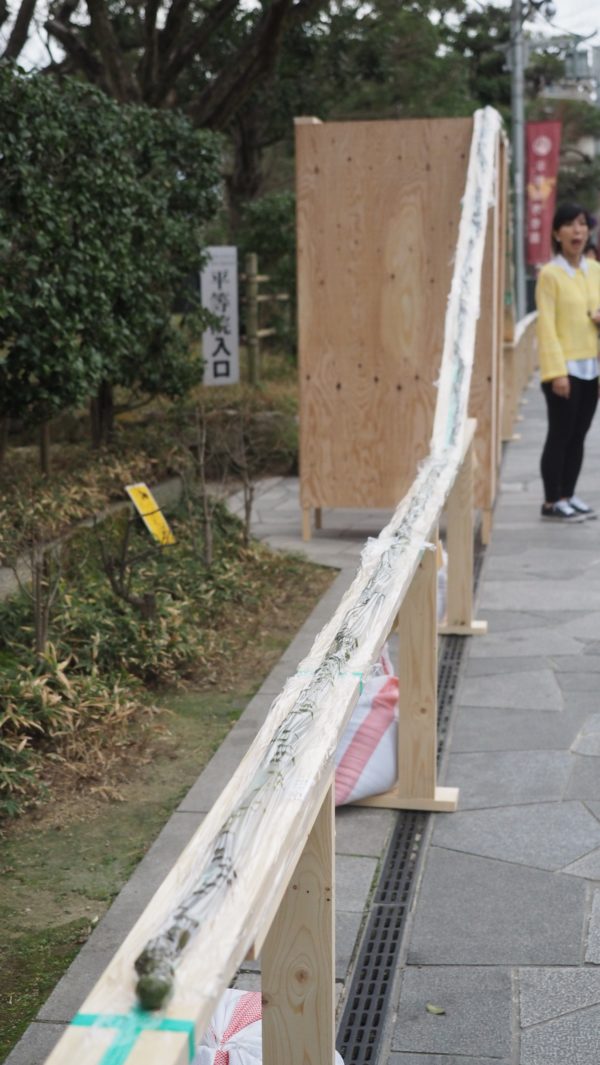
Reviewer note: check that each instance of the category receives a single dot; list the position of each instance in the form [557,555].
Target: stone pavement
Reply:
[506,929]
[504,933]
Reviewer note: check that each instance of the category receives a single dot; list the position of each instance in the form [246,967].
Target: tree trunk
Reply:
[102,416]
[245,179]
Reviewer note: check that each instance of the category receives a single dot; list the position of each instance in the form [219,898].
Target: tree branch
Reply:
[20,30]
[148,65]
[122,86]
[178,44]
[216,105]
[84,60]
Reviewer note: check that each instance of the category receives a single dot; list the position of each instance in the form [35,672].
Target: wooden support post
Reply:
[318,518]
[459,518]
[487,521]
[252,318]
[306,526]
[416,787]
[298,958]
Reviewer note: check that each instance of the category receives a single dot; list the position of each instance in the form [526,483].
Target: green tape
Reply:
[129,1027]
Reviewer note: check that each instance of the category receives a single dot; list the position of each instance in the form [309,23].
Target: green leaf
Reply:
[437,1010]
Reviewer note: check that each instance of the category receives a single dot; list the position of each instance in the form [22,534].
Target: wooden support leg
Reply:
[306,529]
[486,525]
[416,788]
[318,518]
[298,958]
[459,518]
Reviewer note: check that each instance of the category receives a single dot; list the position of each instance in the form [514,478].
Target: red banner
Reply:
[543,147]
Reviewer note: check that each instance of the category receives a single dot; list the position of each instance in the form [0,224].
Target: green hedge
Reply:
[102,209]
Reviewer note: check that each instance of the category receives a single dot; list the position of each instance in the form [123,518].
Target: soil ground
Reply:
[63,862]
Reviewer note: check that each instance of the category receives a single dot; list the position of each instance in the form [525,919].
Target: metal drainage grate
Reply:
[362,1024]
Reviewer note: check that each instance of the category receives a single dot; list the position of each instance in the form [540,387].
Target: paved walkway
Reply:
[504,935]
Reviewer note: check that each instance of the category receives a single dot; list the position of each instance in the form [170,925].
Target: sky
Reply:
[575,16]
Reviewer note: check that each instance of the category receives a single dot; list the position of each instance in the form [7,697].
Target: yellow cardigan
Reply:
[564,328]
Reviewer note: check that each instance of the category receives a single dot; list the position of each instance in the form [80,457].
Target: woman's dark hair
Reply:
[565,213]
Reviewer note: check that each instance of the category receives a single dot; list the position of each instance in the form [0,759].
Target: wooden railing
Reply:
[258,876]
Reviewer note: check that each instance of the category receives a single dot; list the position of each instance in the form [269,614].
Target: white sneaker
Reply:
[582,508]
[561,512]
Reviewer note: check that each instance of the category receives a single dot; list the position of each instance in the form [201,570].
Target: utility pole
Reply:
[518,149]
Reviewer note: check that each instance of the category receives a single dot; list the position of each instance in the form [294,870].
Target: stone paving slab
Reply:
[503,621]
[588,867]
[363,832]
[572,1039]
[500,778]
[582,681]
[542,595]
[583,625]
[527,690]
[478,911]
[547,993]
[490,729]
[587,741]
[584,782]
[523,643]
[583,663]
[477,1018]
[493,667]
[543,836]
[354,879]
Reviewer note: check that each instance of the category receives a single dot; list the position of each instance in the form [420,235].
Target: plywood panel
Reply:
[378,206]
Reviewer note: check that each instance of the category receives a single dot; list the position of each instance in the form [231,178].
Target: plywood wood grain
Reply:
[378,209]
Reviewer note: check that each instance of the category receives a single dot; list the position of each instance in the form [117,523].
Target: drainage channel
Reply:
[362,1023]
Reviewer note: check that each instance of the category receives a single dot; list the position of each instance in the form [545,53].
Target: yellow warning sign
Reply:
[149,510]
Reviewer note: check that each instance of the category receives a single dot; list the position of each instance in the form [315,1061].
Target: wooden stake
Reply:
[306,527]
[298,959]
[459,517]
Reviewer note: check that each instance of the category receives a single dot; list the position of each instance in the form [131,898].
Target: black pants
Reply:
[568,422]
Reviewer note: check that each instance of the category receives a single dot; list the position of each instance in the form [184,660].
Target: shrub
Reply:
[101,215]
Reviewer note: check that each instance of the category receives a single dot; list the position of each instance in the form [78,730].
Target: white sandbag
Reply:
[234,1035]
[366,758]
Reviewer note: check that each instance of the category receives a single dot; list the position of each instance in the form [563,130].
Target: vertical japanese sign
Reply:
[219,293]
[543,147]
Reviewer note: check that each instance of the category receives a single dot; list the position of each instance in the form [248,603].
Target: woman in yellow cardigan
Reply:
[568,305]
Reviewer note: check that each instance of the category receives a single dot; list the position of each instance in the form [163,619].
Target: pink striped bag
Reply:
[366,757]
